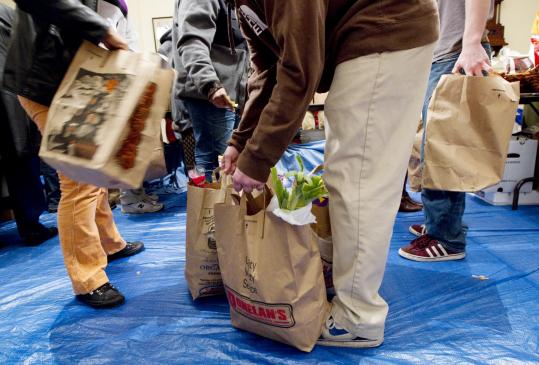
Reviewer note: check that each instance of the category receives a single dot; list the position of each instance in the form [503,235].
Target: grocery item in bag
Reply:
[322,228]
[272,273]
[103,123]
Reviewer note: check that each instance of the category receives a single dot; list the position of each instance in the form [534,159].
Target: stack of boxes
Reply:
[520,164]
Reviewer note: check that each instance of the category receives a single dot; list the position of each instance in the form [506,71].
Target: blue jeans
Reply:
[444,210]
[213,128]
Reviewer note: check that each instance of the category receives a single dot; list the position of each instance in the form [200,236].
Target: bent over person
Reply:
[47,36]
[374,58]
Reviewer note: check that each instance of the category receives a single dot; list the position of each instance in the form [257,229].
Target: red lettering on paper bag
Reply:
[276,315]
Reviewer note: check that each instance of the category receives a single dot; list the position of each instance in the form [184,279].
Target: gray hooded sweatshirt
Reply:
[204,58]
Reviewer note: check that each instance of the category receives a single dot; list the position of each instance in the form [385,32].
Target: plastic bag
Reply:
[514,62]
[298,217]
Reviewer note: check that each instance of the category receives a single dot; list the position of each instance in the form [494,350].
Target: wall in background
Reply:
[8,2]
[141,14]
[517,17]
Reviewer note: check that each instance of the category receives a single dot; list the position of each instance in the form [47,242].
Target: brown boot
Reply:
[409,205]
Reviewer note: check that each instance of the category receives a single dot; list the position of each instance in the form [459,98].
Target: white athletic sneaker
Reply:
[152,197]
[333,335]
[137,202]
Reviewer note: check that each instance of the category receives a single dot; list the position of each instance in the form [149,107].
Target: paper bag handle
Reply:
[317,169]
[243,208]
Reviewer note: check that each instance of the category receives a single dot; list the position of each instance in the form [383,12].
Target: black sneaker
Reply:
[40,235]
[105,296]
[132,248]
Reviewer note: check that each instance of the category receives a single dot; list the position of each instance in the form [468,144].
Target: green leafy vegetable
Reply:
[305,188]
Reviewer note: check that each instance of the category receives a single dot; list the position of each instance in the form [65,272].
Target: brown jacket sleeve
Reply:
[259,87]
[281,93]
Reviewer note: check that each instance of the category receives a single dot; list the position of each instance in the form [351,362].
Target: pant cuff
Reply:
[90,285]
[359,330]
[115,249]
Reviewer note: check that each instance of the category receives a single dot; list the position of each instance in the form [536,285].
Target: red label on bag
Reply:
[276,315]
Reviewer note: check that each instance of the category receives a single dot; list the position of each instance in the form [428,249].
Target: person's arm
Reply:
[259,88]
[473,58]
[69,14]
[197,26]
[301,41]
[131,36]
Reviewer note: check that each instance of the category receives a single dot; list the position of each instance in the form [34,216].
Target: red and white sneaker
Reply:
[426,248]
[418,229]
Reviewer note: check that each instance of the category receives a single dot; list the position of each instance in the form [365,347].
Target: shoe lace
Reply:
[102,289]
[423,241]
[330,323]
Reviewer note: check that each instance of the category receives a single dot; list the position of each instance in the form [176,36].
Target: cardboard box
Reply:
[495,198]
[520,164]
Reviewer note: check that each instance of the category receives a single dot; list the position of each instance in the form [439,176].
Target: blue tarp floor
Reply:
[440,313]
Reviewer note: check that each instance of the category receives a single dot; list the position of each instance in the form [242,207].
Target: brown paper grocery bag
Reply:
[272,274]
[415,175]
[100,127]
[469,125]
[322,228]
[158,166]
[202,265]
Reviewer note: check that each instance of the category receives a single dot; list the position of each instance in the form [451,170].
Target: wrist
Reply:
[472,42]
[211,88]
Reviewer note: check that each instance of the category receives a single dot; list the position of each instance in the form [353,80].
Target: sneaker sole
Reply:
[142,212]
[112,258]
[103,305]
[414,232]
[453,257]
[352,344]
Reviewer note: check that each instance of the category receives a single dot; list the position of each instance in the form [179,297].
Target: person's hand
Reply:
[245,183]
[114,41]
[473,60]
[221,99]
[230,158]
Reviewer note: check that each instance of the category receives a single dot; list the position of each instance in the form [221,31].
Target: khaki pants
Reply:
[372,110]
[85,223]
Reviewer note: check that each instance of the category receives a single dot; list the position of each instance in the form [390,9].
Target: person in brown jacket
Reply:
[374,58]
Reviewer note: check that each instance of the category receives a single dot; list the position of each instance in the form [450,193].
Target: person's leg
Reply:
[443,217]
[212,128]
[25,191]
[188,144]
[204,144]
[372,111]
[84,256]
[443,210]
[223,122]
[52,187]
[110,238]
[27,198]
[407,204]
